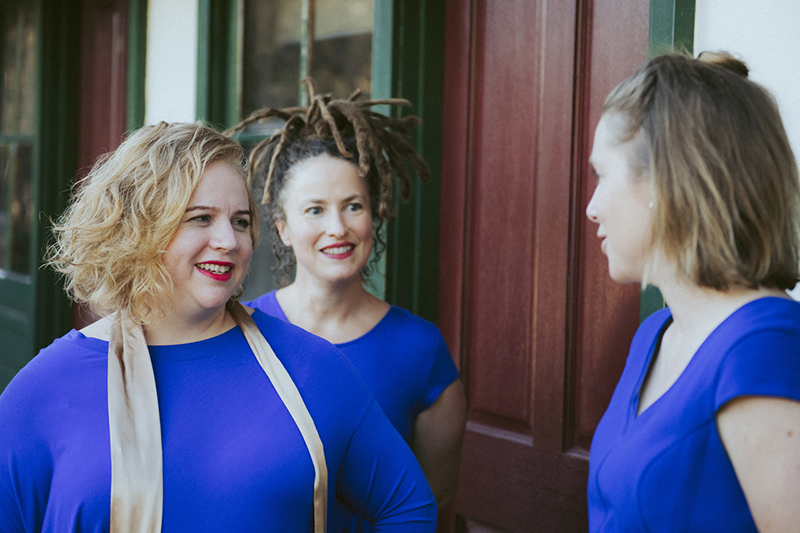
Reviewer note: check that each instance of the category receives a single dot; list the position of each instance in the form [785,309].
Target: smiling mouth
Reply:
[213,268]
[338,250]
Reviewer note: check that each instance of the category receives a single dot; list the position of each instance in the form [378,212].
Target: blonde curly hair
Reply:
[109,242]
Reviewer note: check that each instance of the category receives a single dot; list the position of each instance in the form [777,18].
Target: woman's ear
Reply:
[280,224]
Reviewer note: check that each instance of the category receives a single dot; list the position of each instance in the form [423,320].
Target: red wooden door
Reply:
[525,302]
[102,101]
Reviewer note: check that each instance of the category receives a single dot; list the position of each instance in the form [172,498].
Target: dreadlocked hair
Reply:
[346,129]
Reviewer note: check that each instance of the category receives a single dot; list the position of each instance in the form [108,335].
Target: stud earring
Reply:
[650,205]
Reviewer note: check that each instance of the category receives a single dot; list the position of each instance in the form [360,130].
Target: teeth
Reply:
[338,250]
[216,269]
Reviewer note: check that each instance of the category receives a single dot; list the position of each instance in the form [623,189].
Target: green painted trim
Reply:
[650,301]
[671,29]
[137,63]
[217,60]
[671,26]
[412,261]
[203,62]
[382,47]
[307,16]
[57,156]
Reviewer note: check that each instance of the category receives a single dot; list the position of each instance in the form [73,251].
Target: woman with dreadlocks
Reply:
[327,187]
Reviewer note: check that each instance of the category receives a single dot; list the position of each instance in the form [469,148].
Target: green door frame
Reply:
[218,62]
[56,157]
[671,28]
[408,62]
[137,56]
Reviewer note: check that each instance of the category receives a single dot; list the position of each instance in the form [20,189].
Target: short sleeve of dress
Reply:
[443,372]
[764,363]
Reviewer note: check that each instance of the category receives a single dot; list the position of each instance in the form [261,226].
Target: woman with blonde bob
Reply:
[179,411]
[698,194]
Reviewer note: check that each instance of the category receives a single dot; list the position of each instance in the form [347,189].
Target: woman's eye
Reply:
[355,206]
[200,218]
[242,223]
[314,210]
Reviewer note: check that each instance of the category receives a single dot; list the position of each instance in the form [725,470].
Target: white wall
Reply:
[171,76]
[766,36]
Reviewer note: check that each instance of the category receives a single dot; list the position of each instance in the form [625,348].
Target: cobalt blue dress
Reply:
[234,460]
[403,359]
[666,469]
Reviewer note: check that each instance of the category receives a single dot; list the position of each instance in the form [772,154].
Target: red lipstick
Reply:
[216,270]
[340,250]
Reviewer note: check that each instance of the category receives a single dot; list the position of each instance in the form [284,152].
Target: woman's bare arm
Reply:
[436,442]
[762,438]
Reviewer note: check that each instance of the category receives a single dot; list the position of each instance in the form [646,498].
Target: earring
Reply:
[650,205]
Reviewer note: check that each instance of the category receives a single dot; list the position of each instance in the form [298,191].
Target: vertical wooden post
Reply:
[307,32]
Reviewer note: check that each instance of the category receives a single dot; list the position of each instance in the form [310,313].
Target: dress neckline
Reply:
[634,414]
[384,318]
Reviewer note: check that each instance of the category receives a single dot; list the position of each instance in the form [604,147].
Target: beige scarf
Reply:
[137,488]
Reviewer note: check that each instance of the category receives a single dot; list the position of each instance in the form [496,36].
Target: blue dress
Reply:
[403,359]
[667,470]
[234,459]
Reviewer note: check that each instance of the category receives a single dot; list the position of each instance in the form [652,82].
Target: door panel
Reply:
[525,302]
[504,72]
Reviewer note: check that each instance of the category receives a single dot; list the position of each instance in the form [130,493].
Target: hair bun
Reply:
[726,61]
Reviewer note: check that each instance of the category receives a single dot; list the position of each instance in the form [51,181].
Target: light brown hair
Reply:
[727,196]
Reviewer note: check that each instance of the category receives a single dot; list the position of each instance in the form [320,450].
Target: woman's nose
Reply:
[224,237]
[591,209]
[336,225]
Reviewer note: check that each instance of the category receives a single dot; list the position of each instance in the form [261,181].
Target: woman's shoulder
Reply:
[327,380]
[401,322]
[71,363]
[277,330]
[63,354]
[268,304]
[765,318]
[770,312]
[757,351]
[300,350]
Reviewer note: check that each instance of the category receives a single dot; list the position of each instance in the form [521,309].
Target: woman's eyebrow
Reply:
[209,208]
[201,208]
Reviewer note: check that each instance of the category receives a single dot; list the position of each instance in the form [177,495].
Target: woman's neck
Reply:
[699,310]
[337,312]
[174,328]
